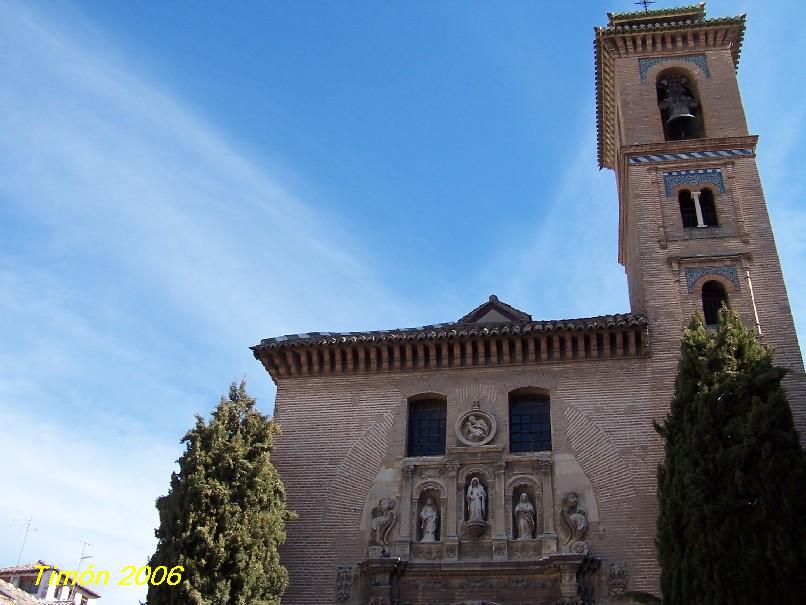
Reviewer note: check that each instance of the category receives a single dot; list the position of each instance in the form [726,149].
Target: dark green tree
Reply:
[732,489]
[224,515]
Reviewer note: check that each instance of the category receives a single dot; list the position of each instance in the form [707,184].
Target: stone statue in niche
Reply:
[476,428]
[476,508]
[525,518]
[383,518]
[429,521]
[575,521]
[476,501]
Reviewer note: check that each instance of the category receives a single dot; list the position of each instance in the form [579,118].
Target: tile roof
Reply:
[24,568]
[493,304]
[492,334]
[452,329]
[660,14]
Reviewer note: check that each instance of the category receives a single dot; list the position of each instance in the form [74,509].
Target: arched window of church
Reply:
[529,422]
[687,210]
[708,208]
[679,107]
[713,297]
[426,430]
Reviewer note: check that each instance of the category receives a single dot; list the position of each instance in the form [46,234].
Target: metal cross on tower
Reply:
[645,4]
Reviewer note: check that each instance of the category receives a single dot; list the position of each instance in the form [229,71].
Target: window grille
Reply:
[529,424]
[426,428]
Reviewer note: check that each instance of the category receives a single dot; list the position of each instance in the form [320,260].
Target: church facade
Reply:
[498,459]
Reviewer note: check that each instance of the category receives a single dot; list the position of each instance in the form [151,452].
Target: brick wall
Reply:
[339,433]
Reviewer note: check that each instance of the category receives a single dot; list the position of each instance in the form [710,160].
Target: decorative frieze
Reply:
[712,176]
[727,271]
[688,155]
[647,63]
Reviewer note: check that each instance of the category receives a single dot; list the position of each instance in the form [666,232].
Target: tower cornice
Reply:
[703,150]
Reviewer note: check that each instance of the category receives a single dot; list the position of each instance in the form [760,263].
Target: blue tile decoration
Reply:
[693,177]
[647,63]
[689,155]
[695,273]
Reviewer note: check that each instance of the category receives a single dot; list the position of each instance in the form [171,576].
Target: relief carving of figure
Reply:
[617,579]
[575,521]
[383,518]
[344,583]
[476,428]
[429,521]
[476,501]
[525,518]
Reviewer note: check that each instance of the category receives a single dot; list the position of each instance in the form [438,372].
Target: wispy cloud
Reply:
[143,252]
[560,261]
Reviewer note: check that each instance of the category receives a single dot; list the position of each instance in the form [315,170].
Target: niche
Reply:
[525,510]
[429,516]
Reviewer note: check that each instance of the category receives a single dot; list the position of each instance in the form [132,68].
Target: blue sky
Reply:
[179,180]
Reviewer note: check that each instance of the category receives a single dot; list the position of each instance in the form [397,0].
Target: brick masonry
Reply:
[343,441]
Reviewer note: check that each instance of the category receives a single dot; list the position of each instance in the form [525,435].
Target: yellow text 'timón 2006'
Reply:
[132,575]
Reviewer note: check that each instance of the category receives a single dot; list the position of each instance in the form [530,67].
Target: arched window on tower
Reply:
[713,297]
[679,108]
[697,208]
[708,208]
[687,210]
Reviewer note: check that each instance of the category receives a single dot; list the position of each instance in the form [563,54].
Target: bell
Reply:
[681,123]
[679,111]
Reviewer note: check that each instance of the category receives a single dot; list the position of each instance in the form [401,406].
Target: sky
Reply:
[181,179]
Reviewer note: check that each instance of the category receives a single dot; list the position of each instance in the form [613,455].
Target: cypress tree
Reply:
[732,489]
[224,514]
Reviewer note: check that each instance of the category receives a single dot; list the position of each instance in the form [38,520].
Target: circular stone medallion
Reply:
[475,427]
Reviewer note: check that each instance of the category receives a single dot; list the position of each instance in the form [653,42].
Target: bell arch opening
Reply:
[679,105]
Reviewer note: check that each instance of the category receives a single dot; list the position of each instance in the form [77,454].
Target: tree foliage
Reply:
[223,517]
[732,489]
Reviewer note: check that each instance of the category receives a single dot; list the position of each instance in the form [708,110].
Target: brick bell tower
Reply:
[693,223]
